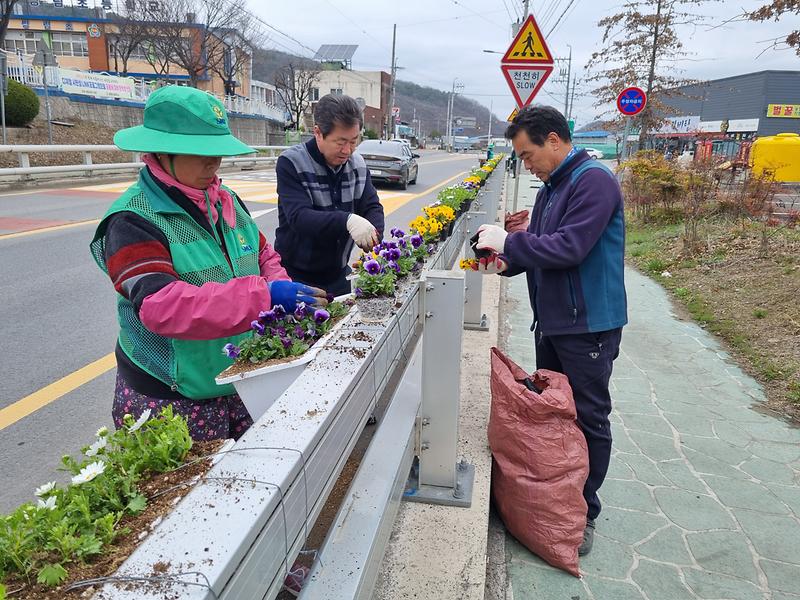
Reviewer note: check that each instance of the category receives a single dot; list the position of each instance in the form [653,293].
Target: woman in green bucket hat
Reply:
[189,265]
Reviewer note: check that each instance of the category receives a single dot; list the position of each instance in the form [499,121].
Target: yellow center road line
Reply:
[441,160]
[41,398]
[48,394]
[8,236]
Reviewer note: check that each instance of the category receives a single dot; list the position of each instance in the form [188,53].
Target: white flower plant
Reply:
[68,525]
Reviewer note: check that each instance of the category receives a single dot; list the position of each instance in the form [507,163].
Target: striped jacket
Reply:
[314,202]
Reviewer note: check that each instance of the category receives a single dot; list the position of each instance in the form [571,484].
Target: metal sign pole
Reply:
[516,181]
[3,92]
[47,105]
[625,138]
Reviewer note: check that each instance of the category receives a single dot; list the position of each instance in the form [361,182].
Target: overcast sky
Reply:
[439,40]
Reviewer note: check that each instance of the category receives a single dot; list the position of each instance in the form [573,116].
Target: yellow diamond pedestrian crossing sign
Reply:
[529,46]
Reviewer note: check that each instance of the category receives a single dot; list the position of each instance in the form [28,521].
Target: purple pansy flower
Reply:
[398,233]
[299,332]
[330,298]
[394,254]
[281,331]
[321,315]
[279,311]
[359,292]
[231,351]
[431,248]
[390,245]
[416,240]
[301,311]
[312,330]
[257,327]
[372,266]
[402,243]
[384,253]
[287,343]
[395,266]
[267,316]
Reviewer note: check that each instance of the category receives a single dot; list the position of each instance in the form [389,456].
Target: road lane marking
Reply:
[48,394]
[8,236]
[41,398]
[260,213]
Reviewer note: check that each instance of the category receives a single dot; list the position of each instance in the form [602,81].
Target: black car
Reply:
[390,161]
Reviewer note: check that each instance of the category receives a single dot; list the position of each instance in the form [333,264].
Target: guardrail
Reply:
[25,170]
[237,532]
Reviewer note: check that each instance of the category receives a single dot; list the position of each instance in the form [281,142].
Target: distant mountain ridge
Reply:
[430,103]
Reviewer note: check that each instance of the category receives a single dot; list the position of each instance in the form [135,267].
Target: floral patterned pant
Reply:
[215,418]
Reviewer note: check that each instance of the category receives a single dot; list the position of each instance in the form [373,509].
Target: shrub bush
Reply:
[22,104]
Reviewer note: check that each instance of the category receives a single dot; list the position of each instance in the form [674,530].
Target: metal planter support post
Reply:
[442,479]
[485,212]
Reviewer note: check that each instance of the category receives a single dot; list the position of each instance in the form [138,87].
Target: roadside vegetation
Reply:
[726,245]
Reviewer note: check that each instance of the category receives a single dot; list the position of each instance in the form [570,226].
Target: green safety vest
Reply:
[187,366]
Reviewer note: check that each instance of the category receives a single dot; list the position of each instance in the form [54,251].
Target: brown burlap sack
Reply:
[540,462]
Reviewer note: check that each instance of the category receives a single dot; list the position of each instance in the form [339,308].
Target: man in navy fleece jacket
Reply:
[573,257]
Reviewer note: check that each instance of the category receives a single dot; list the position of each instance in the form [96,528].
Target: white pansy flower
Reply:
[45,489]
[89,472]
[49,504]
[97,446]
[141,420]
[102,432]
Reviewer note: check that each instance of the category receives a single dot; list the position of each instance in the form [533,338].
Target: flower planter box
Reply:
[260,387]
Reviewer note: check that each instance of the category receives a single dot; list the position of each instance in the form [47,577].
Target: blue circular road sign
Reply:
[631,101]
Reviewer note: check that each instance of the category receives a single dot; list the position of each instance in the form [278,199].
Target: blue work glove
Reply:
[289,293]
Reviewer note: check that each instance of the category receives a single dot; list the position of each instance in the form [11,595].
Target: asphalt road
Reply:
[57,318]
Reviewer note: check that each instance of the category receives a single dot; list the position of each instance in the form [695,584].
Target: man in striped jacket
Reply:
[326,200]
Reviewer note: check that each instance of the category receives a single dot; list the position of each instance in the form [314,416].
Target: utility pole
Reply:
[572,99]
[390,119]
[519,162]
[489,137]
[450,110]
[569,74]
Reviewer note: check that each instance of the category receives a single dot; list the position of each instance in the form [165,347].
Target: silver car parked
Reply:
[390,161]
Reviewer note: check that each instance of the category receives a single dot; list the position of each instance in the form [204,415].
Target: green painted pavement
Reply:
[702,499]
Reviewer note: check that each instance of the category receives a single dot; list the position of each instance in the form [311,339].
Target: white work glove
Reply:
[362,231]
[492,265]
[492,237]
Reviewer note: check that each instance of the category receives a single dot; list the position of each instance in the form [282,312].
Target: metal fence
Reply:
[20,68]
[267,155]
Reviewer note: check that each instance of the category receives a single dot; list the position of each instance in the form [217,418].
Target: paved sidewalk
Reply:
[702,500]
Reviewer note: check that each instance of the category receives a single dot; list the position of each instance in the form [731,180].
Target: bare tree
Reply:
[7,8]
[295,85]
[775,10]
[642,47]
[230,50]
[131,31]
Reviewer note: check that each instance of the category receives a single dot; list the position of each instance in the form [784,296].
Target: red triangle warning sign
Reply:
[528,46]
[525,81]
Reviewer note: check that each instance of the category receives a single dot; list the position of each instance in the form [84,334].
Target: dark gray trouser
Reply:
[586,359]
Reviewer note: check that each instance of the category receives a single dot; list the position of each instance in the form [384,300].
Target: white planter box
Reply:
[260,387]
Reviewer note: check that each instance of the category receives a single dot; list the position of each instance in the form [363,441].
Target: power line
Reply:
[457,3]
[571,4]
[286,35]
[364,31]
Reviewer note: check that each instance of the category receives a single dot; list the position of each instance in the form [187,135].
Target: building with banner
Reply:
[724,116]
[88,35]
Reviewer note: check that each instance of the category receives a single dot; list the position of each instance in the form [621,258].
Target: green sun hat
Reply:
[182,120]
